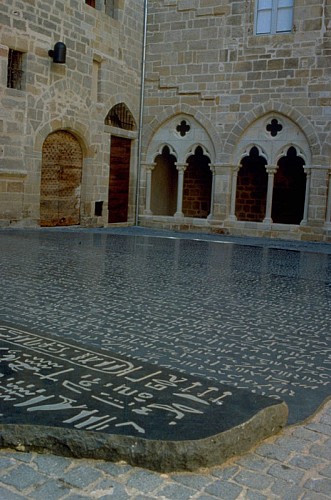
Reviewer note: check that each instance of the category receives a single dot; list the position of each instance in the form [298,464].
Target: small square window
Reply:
[15,70]
[273,16]
[91,3]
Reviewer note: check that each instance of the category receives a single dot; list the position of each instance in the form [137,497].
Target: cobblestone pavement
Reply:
[59,284]
[295,465]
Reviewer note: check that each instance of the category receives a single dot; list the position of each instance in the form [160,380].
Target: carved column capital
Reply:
[271,169]
[181,167]
[149,167]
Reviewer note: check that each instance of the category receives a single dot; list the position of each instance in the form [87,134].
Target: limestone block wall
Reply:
[205,62]
[103,68]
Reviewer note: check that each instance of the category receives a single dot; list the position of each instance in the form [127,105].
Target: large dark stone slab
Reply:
[75,401]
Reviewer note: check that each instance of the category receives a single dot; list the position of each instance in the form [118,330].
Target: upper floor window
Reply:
[274,16]
[15,70]
[109,7]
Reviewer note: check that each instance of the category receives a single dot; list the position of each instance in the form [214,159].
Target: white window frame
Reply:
[278,16]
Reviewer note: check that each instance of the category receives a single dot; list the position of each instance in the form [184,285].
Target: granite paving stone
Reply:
[110,488]
[196,481]
[254,462]
[8,495]
[304,462]
[320,428]
[319,485]
[284,490]
[315,496]
[225,472]
[23,477]
[252,495]
[273,451]
[286,473]
[81,477]
[292,443]
[253,480]
[175,490]
[114,469]
[307,434]
[224,490]
[46,463]
[6,463]
[326,471]
[323,451]
[51,490]
[145,480]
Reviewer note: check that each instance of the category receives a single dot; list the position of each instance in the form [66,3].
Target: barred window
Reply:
[273,16]
[15,70]
[120,116]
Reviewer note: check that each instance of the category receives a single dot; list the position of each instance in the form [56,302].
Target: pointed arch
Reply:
[121,117]
[164,183]
[182,112]
[197,187]
[272,108]
[289,188]
[252,182]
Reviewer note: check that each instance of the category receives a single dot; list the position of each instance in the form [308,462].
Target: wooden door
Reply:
[60,180]
[120,154]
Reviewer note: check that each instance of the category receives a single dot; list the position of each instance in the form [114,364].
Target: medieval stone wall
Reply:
[102,69]
[204,61]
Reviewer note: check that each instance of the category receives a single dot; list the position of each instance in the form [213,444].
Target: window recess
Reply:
[15,70]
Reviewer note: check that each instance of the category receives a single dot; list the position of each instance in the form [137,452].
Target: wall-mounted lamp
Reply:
[59,53]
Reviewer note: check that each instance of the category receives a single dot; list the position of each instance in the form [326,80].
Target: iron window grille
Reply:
[119,116]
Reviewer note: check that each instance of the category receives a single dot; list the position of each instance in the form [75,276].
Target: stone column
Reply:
[271,170]
[306,207]
[149,169]
[328,206]
[181,169]
[212,194]
[232,216]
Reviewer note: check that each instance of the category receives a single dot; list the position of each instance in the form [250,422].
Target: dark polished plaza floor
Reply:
[251,314]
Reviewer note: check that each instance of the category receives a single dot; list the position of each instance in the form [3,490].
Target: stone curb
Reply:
[162,456]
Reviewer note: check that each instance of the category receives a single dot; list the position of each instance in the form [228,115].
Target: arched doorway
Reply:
[61,174]
[120,159]
[198,180]
[252,185]
[289,189]
[164,184]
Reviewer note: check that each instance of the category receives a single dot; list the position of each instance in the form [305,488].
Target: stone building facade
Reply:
[62,125]
[237,135]
[235,115]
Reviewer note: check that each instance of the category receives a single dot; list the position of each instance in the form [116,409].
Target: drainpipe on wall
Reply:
[141,111]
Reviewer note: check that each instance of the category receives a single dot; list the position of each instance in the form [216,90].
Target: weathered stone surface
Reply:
[153,454]
[61,398]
